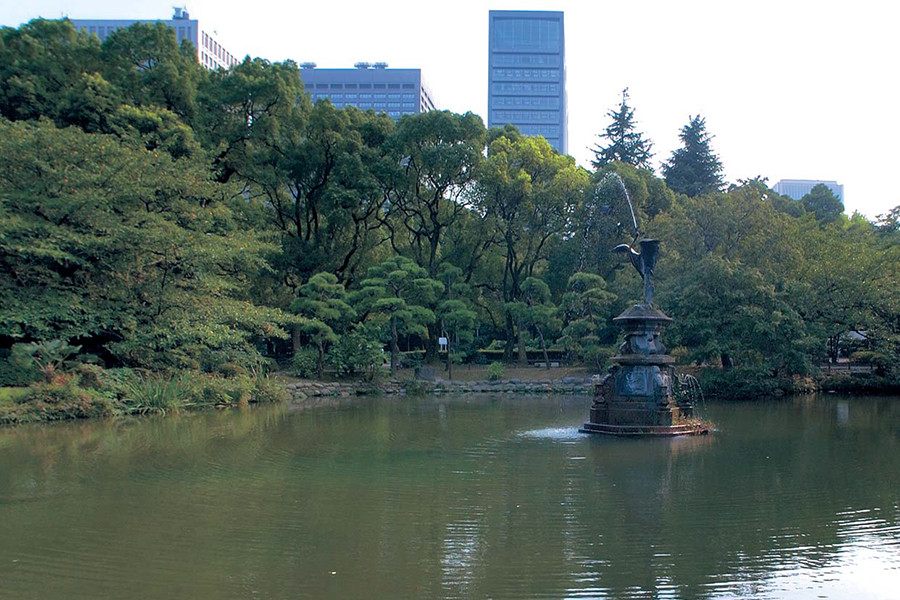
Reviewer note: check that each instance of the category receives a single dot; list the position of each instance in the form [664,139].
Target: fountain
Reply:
[641,395]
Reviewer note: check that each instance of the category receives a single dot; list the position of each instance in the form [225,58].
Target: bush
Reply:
[355,353]
[743,383]
[304,362]
[12,374]
[58,400]
[496,371]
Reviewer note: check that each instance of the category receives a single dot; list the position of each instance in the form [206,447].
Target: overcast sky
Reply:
[791,89]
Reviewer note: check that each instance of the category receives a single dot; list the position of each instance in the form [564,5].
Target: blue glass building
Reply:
[396,92]
[527,74]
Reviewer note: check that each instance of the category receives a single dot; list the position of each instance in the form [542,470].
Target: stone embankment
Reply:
[319,392]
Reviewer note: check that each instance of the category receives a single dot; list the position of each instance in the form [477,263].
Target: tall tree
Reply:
[694,169]
[623,142]
[438,153]
[528,192]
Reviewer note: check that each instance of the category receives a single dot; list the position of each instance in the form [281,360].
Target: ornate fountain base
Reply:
[636,398]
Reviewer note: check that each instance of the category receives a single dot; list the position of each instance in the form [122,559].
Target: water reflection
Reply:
[455,498]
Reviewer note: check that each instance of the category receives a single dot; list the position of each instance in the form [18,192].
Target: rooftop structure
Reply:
[373,86]
[210,52]
[527,74]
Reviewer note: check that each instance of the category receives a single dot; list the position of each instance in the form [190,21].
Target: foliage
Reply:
[624,143]
[181,222]
[822,202]
[694,169]
[496,371]
[45,358]
[135,255]
[305,362]
[154,393]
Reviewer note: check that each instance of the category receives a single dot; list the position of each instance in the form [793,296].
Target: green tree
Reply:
[527,192]
[137,257]
[454,311]
[324,310]
[401,291]
[42,63]
[623,142]
[822,202]
[694,169]
[148,67]
[585,309]
[536,311]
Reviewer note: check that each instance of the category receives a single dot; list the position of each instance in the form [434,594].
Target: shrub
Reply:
[268,390]
[496,371]
[304,362]
[57,401]
[354,353]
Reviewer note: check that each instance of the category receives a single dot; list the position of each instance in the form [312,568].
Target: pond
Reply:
[455,497]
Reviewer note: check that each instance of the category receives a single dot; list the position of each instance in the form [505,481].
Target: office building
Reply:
[797,188]
[527,74]
[210,52]
[373,86]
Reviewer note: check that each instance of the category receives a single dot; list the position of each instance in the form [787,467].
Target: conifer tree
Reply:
[694,169]
[625,144]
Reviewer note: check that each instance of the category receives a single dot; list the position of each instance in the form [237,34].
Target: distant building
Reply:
[527,74]
[373,86]
[210,53]
[797,188]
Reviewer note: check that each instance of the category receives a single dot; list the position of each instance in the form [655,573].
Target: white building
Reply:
[210,52]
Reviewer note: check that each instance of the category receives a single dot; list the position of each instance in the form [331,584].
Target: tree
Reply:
[822,202]
[401,291]
[624,143]
[135,256]
[324,309]
[536,310]
[694,169]
[527,191]
[585,311]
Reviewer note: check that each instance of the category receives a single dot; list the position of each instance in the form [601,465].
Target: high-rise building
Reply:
[797,188]
[210,52]
[527,74]
[396,92]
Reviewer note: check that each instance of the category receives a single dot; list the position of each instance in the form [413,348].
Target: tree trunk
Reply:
[395,348]
[320,362]
[295,339]
[523,356]
[544,348]
[431,344]
[510,339]
[449,359]
[727,362]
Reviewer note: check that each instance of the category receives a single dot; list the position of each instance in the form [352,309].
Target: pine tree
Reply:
[694,169]
[625,144]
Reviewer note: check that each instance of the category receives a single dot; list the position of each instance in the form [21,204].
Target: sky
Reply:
[790,89]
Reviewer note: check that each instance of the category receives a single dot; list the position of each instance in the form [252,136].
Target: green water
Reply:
[477,497]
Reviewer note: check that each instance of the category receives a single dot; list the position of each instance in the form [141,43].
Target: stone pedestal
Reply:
[637,396]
